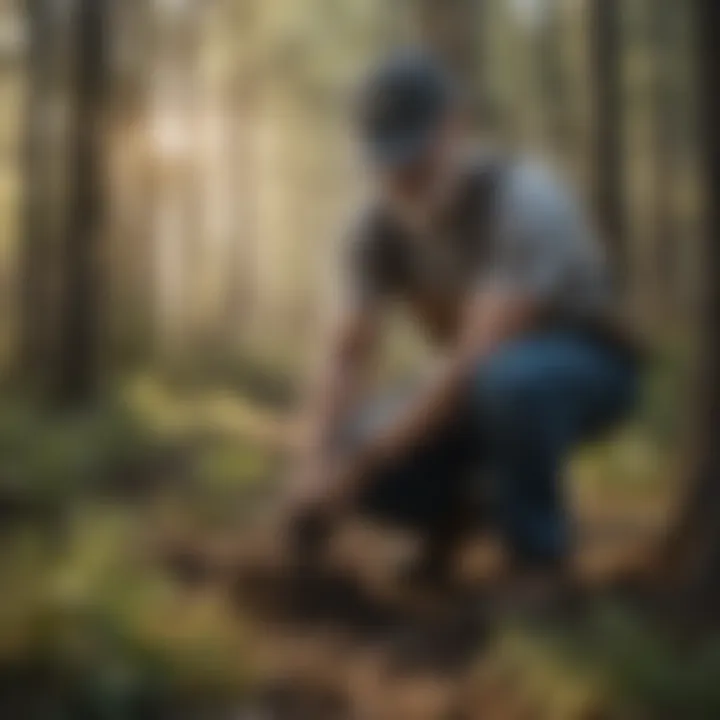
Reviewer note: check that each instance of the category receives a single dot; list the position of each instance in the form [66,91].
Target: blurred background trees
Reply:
[223,166]
[175,180]
[608,126]
[694,541]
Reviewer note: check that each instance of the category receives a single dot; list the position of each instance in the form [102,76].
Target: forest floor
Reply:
[165,585]
[351,641]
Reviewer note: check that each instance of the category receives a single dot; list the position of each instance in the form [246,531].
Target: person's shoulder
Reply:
[535,176]
[367,230]
[534,187]
[483,163]
[366,222]
[371,243]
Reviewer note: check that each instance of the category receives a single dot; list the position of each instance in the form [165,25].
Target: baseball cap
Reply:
[402,104]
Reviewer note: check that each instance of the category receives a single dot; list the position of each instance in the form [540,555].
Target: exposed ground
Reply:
[165,579]
[349,641]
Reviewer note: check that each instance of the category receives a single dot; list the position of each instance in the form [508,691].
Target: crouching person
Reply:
[495,262]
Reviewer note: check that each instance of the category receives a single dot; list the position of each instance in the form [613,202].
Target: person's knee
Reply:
[511,390]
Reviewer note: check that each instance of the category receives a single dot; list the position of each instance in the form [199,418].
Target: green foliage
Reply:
[93,612]
[614,664]
[664,392]
[641,454]
[651,671]
[268,379]
[110,629]
[144,428]
[45,456]
[231,467]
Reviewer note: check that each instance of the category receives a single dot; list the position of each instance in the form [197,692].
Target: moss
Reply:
[613,664]
[109,626]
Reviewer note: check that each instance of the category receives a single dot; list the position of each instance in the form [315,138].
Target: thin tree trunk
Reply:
[454,30]
[176,212]
[78,362]
[241,284]
[608,151]
[43,145]
[664,155]
[549,53]
[695,543]
[241,301]
[131,239]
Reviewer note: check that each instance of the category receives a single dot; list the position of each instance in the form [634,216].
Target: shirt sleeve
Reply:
[545,249]
[367,271]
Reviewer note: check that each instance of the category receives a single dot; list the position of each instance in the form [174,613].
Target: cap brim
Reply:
[397,152]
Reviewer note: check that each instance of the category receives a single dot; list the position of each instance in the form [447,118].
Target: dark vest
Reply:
[434,281]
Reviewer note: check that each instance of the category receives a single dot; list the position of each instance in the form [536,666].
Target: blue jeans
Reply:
[528,406]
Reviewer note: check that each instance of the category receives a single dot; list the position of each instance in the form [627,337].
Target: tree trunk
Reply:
[664,226]
[695,543]
[241,280]
[44,143]
[454,30]
[175,114]
[132,178]
[78,362]
[608,151]
[559,129]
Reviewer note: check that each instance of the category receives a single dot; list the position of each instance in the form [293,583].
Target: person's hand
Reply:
[324,483]
[318,492]
[306,482]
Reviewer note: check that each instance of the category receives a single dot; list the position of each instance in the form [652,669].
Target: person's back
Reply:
[509,221]
[497,263]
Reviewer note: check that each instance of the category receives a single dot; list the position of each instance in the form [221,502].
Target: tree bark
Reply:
[608,146]
[132,180]
[664,157]
[553,81]
[78,362]
[44,143]
[453,29]
[694,545]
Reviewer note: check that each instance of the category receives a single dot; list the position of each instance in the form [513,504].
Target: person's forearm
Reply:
[333,401]
[490,323]
[339,387]
[431,410]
